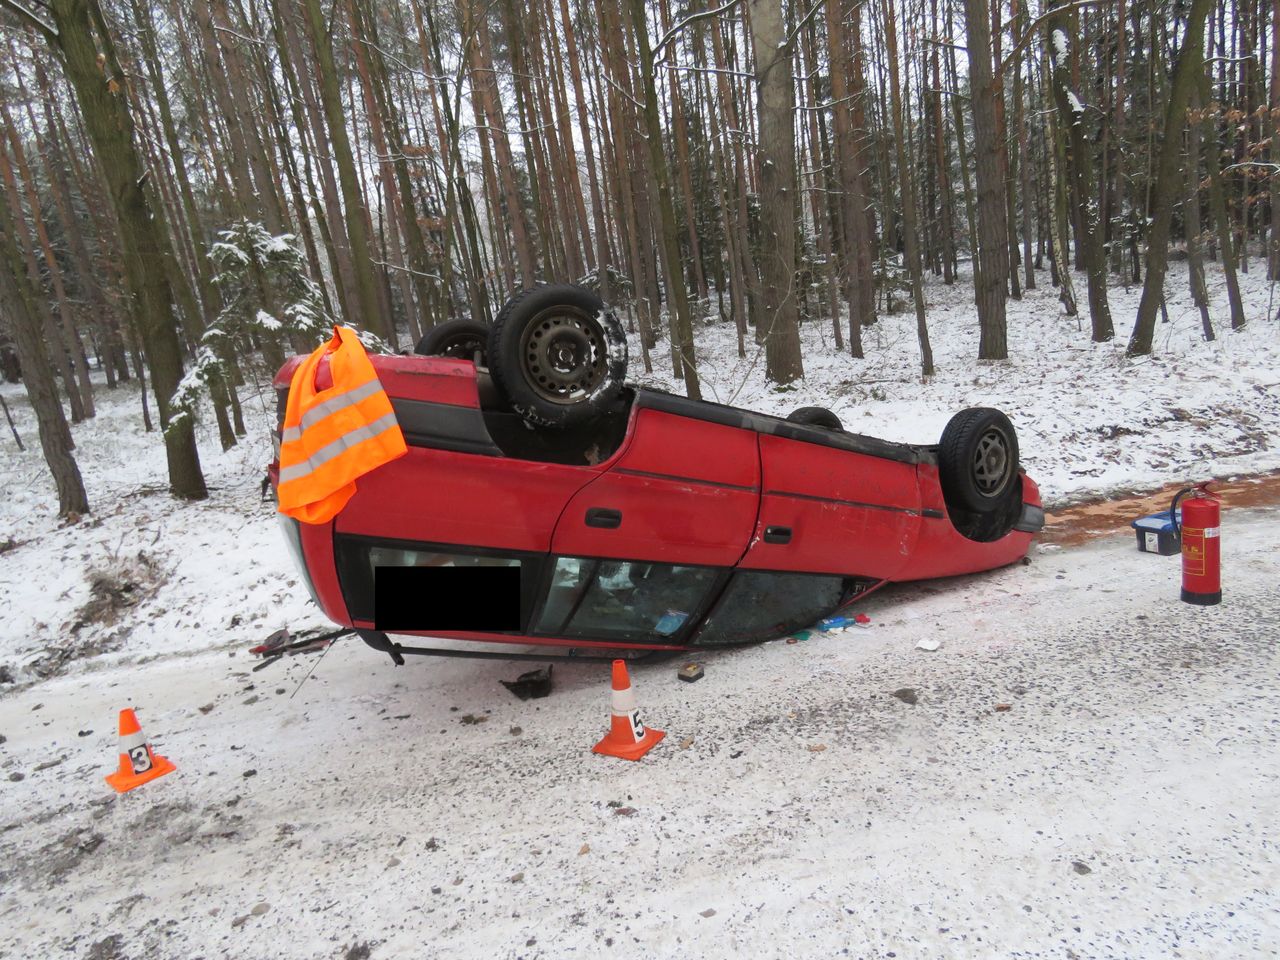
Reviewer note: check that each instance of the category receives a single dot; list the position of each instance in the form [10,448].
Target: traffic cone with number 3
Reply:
[138,762]
[627,738]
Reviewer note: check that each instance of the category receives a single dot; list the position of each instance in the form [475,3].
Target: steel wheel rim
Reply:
[563,355]
[464,346]
[992,464]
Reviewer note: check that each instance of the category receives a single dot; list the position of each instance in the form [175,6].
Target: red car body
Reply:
[693,486]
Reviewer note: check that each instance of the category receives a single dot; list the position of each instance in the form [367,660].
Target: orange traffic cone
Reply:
[138,762]
[627,737]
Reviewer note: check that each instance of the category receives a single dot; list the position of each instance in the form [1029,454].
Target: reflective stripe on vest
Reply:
[337,447]
[322,410]
[331,437]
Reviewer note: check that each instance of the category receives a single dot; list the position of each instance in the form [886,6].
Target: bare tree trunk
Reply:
[1058,226]
[991,267]
[854,245]
[1023,153]
[81,34]
[677,296]
[1195,260]
[485,88]
[366,292]
[776,108]
[602,259]
[906,191]
[1218,209]
[1168,180]
[22,239]
[1070,110]
[942,160]
[37,376]
[1273,197]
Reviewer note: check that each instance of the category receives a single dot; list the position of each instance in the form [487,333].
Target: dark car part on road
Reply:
[463,339]
[816,417]
[557,355]
[532,685]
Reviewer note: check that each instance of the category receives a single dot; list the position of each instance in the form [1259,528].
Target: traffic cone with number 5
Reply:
[138,762]
[627,738]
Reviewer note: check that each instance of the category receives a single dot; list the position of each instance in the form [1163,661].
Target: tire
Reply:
[461,339]
[557,355]
[816,417]
[978,460]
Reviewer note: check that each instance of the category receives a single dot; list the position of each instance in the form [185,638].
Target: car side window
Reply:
[623,600]
[761,606]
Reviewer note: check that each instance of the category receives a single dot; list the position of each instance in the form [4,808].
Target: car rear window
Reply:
[358,558]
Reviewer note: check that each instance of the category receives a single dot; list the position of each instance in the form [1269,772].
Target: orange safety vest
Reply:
[333,436]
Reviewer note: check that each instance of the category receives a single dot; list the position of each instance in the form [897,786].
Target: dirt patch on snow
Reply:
[1082,522]
[102,624]
[117,588]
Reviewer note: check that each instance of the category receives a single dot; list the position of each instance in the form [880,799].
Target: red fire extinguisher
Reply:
[1201,544]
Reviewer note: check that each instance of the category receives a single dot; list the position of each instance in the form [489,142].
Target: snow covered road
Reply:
[1124,805]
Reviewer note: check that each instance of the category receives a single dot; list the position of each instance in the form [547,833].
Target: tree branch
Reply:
[818,5]
[31,19]
[1012,56]
[692,18]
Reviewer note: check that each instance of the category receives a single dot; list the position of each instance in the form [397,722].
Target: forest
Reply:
[194,189]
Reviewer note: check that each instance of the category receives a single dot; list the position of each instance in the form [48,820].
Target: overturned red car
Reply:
[637,519]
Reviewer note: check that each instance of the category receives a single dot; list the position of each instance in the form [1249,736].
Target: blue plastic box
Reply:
[1156,534]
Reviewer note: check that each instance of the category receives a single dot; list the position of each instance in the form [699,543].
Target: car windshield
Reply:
[623,600]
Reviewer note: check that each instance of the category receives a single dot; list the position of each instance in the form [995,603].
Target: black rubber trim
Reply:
[1031,520]
[933,514]
[443,426]
[1201,599]
[844,503]
[680,479]
[775,426]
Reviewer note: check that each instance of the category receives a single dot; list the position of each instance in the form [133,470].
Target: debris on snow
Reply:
[533,685]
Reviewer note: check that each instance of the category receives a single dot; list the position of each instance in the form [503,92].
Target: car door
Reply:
[832,509]
[683,490]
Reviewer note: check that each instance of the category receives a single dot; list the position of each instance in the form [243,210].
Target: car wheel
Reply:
[978,459]
[462,339]
[816,417]
[558,355]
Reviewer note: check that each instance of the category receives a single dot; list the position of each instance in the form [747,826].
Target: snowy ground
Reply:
[940,828]
[1124,805]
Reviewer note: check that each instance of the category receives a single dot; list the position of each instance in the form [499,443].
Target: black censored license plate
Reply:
[483,599]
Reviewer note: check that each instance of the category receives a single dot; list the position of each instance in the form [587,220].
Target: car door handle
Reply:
[604,518]
[777,534]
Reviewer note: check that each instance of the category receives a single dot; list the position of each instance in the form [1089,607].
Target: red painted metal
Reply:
[317,549]
[1201,548]
[942,551]
[687,490]
[848,513]
[437,379]
[438,496]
